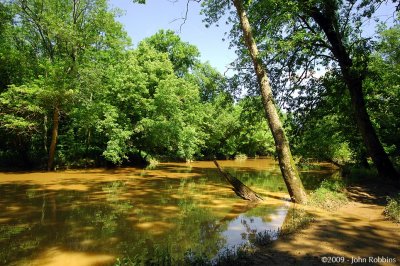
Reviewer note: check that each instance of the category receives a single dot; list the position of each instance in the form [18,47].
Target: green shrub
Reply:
[234,256]
[392,209]
[266,237]
[329,196]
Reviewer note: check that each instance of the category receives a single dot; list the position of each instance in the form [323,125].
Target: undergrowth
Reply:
[228,257]
[329,196]
[392,208]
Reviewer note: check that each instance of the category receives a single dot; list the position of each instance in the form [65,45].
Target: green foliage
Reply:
[21,109]
[315,134]
[304,72]
[117,132]
[255,138]
[7,231]
[171,126]
[330,195]
[383,89]
[158,101]
[392,208]
[182,55]
[66,45]
[210,82]
[329,123]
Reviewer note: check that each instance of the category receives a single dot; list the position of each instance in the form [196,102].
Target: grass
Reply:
[162,256]
[9,231]
[392,208]
[229,256]
[329,196]
[266,237]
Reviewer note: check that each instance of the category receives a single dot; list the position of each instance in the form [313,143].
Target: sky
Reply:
[143,21]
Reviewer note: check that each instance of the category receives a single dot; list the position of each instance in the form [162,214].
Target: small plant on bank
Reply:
[329,196]
[392,208]
[266,237]
[152,163]
[197,259]
[235,256]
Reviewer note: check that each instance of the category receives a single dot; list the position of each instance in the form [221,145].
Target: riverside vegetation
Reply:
[70,97]
[309,86]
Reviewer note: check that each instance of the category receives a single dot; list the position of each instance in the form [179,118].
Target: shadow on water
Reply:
[91,217]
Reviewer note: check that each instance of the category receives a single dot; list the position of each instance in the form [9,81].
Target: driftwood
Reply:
[238,187]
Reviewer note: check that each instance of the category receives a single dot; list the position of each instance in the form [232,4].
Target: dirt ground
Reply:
[357,234]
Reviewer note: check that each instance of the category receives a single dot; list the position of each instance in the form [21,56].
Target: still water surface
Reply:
[92,217]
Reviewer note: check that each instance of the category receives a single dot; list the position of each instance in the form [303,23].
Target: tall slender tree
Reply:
[301,37]
[353,71]
[286,163]
[214,10]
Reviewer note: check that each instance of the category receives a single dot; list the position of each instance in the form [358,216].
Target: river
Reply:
[96,216]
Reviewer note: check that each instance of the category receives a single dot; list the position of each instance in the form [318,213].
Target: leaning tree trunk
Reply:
[238,187]
[353,80]
[286,163]
[54,135]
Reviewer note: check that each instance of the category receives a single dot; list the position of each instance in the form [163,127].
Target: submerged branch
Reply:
[238,187]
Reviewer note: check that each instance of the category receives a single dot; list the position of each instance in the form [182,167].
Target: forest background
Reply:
[74,93]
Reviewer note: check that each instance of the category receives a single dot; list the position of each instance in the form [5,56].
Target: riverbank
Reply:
[356,233]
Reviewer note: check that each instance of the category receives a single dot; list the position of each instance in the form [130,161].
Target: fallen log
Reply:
[239,188]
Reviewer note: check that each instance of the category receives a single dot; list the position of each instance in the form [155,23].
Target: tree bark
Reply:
[45,133]
[54,135]
[353,80]
[238,187]
[286,163]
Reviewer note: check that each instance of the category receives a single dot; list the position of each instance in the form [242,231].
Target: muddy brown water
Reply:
[93,217]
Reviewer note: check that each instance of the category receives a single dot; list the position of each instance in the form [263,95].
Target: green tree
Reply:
[209,80]
[173,125]
[182,55]
[255,138]
[21,117]
[18,63]
[301,39]
[65,35]
[221,126]
[382,88]
[288,168]
[353,67]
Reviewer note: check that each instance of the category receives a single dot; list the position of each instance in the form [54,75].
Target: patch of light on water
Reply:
[244,228]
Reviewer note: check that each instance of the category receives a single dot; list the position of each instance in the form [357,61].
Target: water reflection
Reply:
[244,228]
[92,217]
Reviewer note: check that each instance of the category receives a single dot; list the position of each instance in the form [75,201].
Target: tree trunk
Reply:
[286,163]
[45,133]
[238,187]
[54,135]
[353,80]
